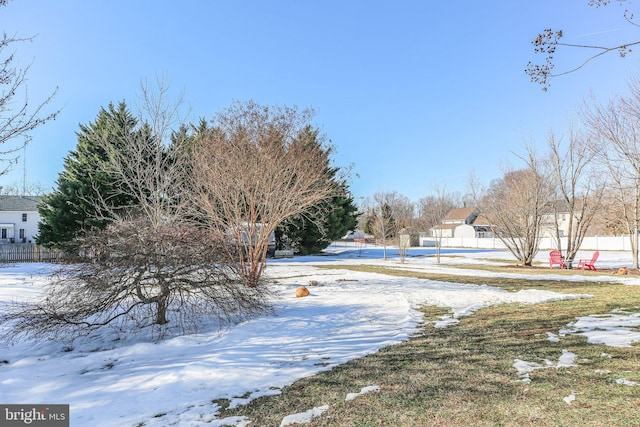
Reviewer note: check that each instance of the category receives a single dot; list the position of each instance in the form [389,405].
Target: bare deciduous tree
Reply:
[388,213]
[403,210]
[140,275]
[257,167]
[147,165]
[516,205]
[609,220]
[18,116]
[24,189]
[616,129]
[433,209]
[579,189]
[548,41]
[404,219]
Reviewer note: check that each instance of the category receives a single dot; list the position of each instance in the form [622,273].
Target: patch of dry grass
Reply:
[463,375]
[512,284]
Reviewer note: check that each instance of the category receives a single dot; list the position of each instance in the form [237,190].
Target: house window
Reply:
[22,233]
[4,233]
[24,217]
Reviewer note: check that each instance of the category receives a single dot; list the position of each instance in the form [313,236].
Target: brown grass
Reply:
[463,375]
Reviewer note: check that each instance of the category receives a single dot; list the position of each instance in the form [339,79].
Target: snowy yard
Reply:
[127,379]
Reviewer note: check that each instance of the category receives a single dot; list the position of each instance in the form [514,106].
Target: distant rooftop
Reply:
[459,214]
[19,203]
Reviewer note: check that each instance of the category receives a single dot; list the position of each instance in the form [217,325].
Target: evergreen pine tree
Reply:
[72,207]
[313,231]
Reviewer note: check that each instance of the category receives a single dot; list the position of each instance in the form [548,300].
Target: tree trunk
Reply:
[636,219]
[634,247]
[161,310]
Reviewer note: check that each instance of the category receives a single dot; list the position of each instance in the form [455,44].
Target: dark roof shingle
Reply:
[19,203]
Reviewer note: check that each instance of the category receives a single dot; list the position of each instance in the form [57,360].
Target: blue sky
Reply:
[413,94]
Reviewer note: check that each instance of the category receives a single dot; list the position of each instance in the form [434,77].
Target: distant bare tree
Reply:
[18,115]
[609,220]
[403,210]
[257,167]
[433,209]
[21,189]
[388,213]
[578,186]
[516,205]
[404,215]
[616,129]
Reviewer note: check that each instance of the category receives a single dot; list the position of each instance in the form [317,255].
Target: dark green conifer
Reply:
[314,230]
[73,206]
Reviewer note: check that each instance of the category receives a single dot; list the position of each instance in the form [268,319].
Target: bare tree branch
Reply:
[433,209]
[255,169]
[135,275]
[18,116]
[616,146]
[549,40]
[516,205]
[579,189]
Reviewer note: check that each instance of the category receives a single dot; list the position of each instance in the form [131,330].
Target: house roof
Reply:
[459,214]
[19,203]
[482,220]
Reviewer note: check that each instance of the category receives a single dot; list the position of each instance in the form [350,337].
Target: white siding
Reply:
[464,231]
[11,222]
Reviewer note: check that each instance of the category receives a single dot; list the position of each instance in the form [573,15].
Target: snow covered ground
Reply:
[125,380]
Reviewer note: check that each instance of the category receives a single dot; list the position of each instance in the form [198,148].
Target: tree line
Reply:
[588,179]
[165,221]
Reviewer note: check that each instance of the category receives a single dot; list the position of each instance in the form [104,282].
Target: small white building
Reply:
[19,218]
[463,222]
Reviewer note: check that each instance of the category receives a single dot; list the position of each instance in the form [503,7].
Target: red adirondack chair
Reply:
[589,264]
[556,258]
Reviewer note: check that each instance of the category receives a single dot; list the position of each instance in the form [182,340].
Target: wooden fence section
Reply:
[27,252]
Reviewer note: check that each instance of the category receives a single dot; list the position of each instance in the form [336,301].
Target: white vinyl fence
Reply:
[595,243]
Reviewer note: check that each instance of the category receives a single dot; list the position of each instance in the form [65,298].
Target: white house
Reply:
[463,222]
[19,218]
[469,223]
[561,219]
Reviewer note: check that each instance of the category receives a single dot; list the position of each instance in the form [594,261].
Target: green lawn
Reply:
[463,375]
